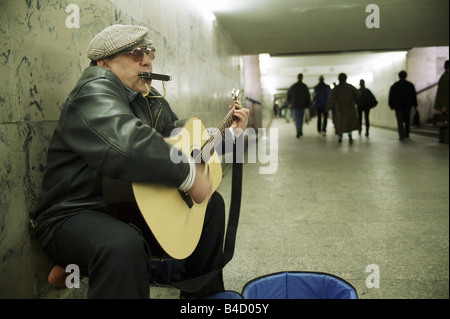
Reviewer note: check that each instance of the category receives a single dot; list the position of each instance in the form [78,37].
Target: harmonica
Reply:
[154,76]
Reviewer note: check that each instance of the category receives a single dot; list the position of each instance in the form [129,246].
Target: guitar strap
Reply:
[195,284]
[235,205]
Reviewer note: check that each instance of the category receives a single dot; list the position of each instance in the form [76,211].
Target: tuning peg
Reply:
[234,93]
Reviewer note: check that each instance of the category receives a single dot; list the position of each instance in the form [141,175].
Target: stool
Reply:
[57,276]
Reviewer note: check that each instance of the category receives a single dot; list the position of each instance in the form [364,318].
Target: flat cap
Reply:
[115,39]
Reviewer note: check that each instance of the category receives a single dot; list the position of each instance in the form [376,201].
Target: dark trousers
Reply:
[366,118]
[403,121]
[322,120]
[298,115]
[116,258]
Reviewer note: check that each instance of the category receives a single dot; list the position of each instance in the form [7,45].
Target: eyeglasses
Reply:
[138,53]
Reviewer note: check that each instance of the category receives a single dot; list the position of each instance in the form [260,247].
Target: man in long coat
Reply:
[343,103]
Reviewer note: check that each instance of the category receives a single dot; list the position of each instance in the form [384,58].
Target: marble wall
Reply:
[41,60]
[425,67]
[384,76]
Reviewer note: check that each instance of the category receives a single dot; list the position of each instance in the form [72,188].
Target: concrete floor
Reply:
[337,208]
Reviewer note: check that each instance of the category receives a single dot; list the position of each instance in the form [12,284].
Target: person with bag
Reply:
[364,103]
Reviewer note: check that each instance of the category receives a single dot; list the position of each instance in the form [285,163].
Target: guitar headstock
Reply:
[238,96]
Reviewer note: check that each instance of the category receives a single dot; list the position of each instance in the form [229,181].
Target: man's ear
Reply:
[104,63]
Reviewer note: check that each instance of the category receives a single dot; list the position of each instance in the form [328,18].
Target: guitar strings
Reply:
[219,132]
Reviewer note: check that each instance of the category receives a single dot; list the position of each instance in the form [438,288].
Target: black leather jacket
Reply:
[298,96]
[402,95]
[107,129]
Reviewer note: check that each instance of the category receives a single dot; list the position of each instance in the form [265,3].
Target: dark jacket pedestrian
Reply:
[298,95]
[322,93]
[299,99]
[402,98]
[365,102]
[441,103]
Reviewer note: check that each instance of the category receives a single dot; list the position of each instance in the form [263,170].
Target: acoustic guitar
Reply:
[164,213]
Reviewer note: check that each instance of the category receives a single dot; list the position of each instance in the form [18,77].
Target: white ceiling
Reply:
[282,27]
[293,32]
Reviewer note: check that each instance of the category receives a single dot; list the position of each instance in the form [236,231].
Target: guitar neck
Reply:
[207,150]
[226,123]
[216,138]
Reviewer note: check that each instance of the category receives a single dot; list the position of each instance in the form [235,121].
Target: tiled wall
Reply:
[41,60]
